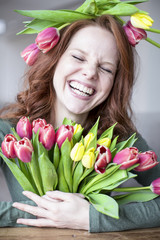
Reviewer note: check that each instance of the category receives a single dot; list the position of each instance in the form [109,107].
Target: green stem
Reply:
[130,189]
[153,30]
[153,42]
[62,26]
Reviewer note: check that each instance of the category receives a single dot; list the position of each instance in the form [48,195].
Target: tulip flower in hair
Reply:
[24,128]
[47,39]
[8,146]
[30,54]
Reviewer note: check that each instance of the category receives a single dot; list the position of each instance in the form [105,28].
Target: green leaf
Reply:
[39,25]
[139,196]
[128,143]
[56,156]
[59,16]
[108,133]
[27,31]
[18,174]
[48,173]
[67,121]
[77,176]
[113,144]
[15,134]
[62,184]
[104,204]
[94,130]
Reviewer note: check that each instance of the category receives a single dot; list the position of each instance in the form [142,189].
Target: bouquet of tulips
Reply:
[44,159]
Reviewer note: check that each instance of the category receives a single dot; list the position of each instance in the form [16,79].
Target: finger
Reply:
[34,210]
[40,201]
[79,195]
[41,222]
[58,195]
[50,199]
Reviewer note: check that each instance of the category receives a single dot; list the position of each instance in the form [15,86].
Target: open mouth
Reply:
[80,89]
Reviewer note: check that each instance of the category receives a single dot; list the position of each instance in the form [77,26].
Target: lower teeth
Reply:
[80,93]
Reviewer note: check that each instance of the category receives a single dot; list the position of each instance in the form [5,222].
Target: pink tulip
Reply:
[24,128]
[147,160]
[65,131]
[134,34]
[30,54]
[47,136]
[8,146]
[38,123]
[126,157]
[47,39]
[103,159]
[24,149]
[155,186]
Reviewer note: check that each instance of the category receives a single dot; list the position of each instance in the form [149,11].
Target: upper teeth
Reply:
[81,88]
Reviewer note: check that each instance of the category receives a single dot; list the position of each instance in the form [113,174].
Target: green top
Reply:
[132,216]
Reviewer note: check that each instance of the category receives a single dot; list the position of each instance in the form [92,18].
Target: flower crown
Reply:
[47,23]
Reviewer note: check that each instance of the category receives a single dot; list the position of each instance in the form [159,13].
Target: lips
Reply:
[81,89]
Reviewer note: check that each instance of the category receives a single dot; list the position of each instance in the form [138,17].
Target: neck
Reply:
[57,116]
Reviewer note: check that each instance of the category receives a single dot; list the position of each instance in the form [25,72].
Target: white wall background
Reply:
[146,96]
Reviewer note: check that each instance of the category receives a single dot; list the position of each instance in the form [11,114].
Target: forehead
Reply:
[94,39]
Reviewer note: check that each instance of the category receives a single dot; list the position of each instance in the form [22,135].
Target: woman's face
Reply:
[85,72]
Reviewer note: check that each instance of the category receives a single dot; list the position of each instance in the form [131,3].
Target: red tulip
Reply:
[38,123]
[24,128]
[47,39]
[103,159]
[134,34]
[30,54]
[65,131]
[24,149]
[146,161]
[8,146]
[47,136]
[155,186]
[126,157]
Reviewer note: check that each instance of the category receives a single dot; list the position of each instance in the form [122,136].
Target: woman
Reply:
[89,73]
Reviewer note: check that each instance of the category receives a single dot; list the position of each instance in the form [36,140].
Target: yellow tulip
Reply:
[104,142]
[87,140]
[88,159]
[77,128]
[141,20]
[77,152]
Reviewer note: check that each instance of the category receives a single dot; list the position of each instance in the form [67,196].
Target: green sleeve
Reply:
[133,215]
[9,214]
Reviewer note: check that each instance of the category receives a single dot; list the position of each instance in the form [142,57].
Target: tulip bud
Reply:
[104,142]
[141,20]
[24,128]
[24,149]
[30,54]
[47,136]
[126,157]
[8,146]
[87,140]
[77,152]
[147,160]
[155,186]
[47,39]
[77,128]
[38,123]
[134,34]
[103,159]
[65,131]
[88,159]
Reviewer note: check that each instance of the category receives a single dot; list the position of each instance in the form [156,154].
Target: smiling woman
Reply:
[89,73]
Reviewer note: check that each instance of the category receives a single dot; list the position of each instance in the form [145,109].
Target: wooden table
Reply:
[67,234]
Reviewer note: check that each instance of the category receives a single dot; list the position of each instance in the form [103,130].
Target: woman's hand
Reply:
[56,209]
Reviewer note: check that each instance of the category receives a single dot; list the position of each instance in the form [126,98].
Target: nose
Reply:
[90,72]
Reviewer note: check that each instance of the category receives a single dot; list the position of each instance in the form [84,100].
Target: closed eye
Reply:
[105,69]
[78,58]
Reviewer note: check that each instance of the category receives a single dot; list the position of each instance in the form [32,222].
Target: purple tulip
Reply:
[47,136]
[8,146]
[103,159]
[126,157]
[47,39]
[24,149]
[30,54]
[65,131]
[147,160]
[38,123]
[134,34]
[155,186]
[24,128]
